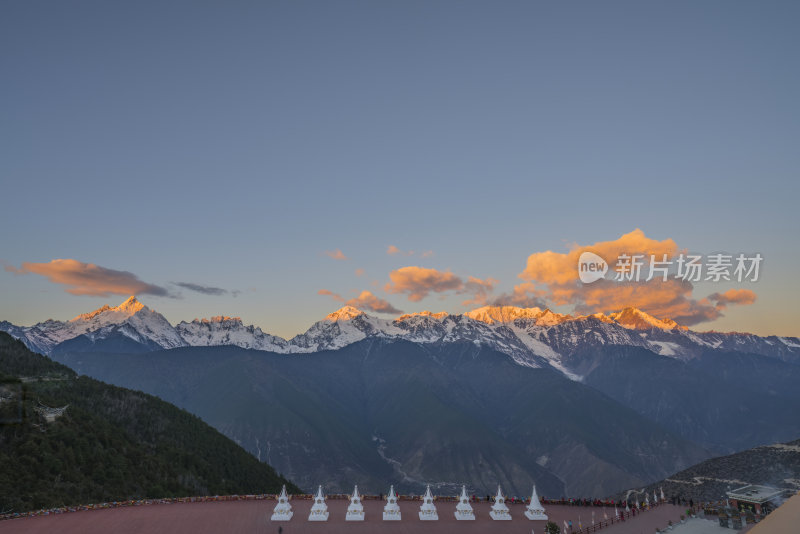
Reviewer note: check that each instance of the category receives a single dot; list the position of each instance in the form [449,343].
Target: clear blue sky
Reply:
[230,144]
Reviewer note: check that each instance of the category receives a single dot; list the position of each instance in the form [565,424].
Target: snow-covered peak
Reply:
[345,313]
[131,305]
[636,319]
[410,316]
[222,319]
[550,318]
[502,314]
[108,314]
[222,330]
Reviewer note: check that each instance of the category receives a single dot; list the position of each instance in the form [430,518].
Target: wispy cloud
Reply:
[336,254]
[392,250]
[360,272]
[89,279]
[205,290]
[524,295]
[328,293]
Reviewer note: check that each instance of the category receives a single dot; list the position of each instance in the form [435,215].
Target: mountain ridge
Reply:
[532,336]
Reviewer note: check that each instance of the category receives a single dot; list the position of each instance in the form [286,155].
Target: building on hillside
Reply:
[758,499]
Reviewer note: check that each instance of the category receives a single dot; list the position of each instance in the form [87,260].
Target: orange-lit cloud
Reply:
[392,250]
[555,276]
[89,279]
[556,268]
[427,254]
[733,296]
[328,293]
[336,254]
[419,282]
[365,301]
[360,272]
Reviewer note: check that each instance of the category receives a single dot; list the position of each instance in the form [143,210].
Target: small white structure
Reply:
[283,510]
[50,414]
[319,510]
[535,510]
[655,497]
[499,510]
[646,500]
[427,511]
[663,499]
[464,510]
[391,512]
[355,510]
[627,507]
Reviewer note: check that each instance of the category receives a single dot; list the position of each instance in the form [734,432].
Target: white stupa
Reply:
[663,499]
[427,511]
[655,497]
[464,510]
[646,500]
[319,510]
[535,510]
[499,509]
[283,510]
[627,507]
[355,510]
[391,512]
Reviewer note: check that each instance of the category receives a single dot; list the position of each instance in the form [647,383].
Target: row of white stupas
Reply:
[391,511]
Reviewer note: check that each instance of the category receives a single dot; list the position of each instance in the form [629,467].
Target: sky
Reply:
[277,160]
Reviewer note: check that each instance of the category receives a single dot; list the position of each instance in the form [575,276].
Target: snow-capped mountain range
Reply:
[531,336]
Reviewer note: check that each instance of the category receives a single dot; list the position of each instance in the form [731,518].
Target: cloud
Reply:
[205,290]
[480,290]
[336,254]
[525,295]
[360,272]
[393,251]
[366,300]
[427,254]
[555,276]
[419,282]
[329,293]
[89,279]
[733,296]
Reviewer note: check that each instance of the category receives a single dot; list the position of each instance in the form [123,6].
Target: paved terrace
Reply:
[252,516]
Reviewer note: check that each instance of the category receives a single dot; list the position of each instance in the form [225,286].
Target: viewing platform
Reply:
[252,514]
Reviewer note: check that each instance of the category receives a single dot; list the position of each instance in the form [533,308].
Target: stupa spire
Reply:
[499,510]
[391,511]
[283,510]
[464,510]
[427,511]
[355,510]
[535,510]
[319,510]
